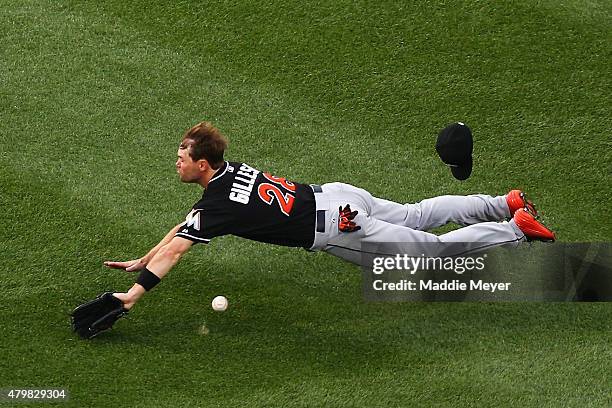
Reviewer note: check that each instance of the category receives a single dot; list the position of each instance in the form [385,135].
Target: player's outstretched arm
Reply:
[165,258]
[139,264]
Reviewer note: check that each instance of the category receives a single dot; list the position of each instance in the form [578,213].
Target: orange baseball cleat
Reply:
[517,199]
[532,228]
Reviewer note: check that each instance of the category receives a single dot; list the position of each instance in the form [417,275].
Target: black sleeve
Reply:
[192,229]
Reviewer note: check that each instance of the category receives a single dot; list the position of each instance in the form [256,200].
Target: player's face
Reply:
[188,170]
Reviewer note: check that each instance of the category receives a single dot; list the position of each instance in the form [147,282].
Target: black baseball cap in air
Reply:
[454,146]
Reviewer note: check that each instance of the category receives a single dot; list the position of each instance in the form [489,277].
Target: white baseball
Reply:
[219,304]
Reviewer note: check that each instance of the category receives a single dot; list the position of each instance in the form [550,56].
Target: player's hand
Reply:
[128,301]
[346,223]
[128,266]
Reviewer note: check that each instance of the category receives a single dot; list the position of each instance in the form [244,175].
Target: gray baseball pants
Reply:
[389,226]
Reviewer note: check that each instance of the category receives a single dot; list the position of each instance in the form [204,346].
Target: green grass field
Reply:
[94,97]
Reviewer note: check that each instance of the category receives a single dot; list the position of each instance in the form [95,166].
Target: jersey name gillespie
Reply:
[242,187]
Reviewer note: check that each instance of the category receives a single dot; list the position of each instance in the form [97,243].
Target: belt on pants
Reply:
[320,217]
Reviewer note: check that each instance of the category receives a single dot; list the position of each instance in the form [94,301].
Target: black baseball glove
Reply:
[95,316]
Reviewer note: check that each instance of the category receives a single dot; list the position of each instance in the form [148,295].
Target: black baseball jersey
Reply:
[243,201]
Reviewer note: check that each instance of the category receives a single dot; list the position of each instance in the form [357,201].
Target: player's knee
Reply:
[414,216]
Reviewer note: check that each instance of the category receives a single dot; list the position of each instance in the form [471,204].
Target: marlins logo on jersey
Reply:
[193,220]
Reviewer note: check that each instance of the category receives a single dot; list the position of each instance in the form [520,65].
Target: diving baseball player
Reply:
[337,218]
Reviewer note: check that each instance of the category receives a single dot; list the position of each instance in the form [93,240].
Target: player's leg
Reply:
[394,239]
[468,210]
[437,211]
[427,214]
[463,210]
[384,238]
